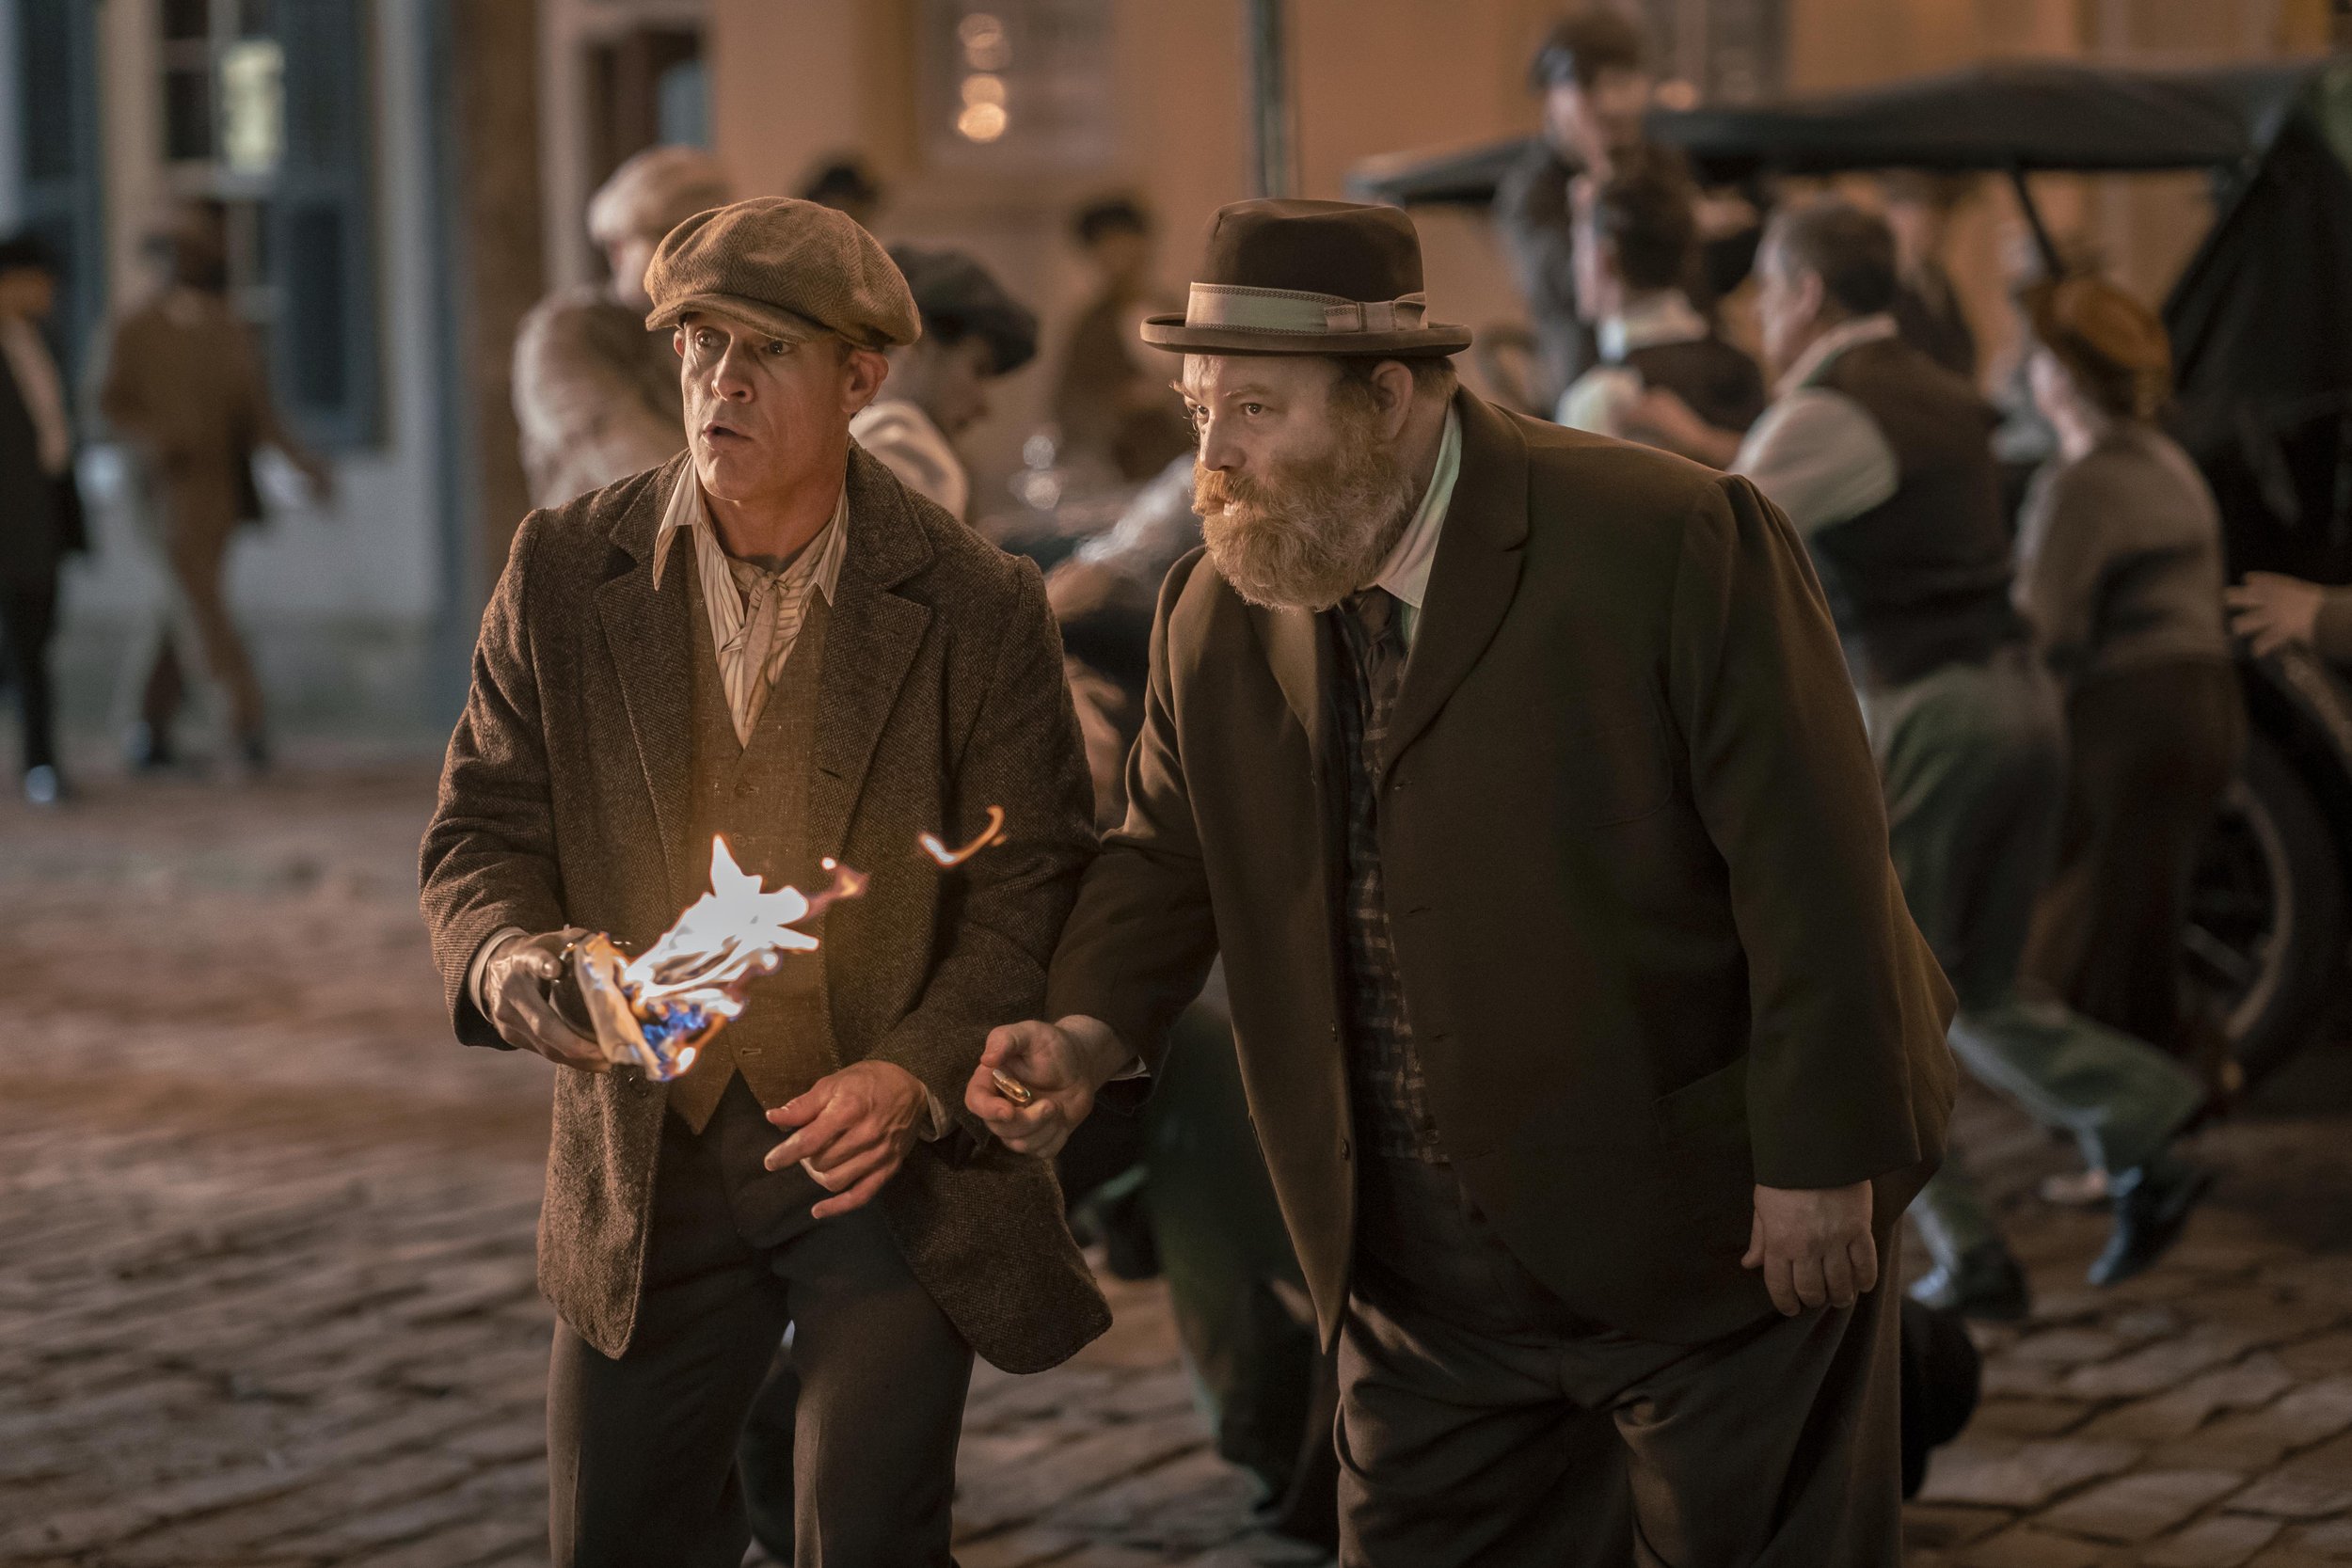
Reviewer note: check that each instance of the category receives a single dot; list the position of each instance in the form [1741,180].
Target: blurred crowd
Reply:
[2029,583]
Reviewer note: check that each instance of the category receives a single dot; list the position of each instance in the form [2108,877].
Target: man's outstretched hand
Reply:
[1813,1245]
[851,1130]
[1061,1064]
[514,999]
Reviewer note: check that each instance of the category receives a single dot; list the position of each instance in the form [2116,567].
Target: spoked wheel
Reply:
[2265,940]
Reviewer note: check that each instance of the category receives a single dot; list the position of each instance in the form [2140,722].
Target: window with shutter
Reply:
[266,107]
[62,199]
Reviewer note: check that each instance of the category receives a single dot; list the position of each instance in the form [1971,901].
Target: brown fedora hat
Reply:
[1309,278]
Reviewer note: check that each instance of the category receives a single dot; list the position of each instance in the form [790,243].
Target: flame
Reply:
[991,834]
[730,936]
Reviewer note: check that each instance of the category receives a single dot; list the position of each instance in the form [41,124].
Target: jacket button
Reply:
[1343,1148]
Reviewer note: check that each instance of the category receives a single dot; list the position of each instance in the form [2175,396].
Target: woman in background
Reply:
[2119,571]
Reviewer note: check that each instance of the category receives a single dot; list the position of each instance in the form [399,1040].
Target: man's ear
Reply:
[1393,395]
[863,371]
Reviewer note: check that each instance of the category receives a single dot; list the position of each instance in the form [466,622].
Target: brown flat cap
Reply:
[788,267]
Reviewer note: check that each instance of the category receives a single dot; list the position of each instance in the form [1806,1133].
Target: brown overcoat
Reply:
[565,800]
[1636,869]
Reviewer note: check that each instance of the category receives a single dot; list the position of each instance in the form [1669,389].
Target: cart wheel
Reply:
[2265,940]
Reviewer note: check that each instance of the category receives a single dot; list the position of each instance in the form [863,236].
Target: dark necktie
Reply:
[1381,649]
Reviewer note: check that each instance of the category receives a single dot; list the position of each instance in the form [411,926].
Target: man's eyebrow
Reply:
[1248,388]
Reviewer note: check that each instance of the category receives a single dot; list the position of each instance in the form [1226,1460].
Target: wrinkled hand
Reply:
[1813,1245]
[854,1128]
[2272,611]
[1063,1064]
[514,999]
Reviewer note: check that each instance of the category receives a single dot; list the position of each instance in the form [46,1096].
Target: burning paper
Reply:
[656,1011]
[991,834]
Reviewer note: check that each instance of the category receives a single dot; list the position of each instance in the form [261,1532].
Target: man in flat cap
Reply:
[973,333]
[595,391]
[1514,773]
[770,639]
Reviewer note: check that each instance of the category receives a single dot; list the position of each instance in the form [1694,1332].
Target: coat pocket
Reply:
[1710,1168]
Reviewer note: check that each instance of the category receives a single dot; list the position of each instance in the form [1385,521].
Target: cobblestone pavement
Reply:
[265,1293]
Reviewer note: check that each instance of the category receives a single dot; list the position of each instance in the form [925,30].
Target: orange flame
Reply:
[991,834]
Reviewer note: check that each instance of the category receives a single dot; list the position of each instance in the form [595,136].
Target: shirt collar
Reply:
[1406,574]
[1664,317]
[689,512]
[1830,344]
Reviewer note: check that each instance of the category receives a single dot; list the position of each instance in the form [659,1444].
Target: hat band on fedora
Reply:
[1236,307]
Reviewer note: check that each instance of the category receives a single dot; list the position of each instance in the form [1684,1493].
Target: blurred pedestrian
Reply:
[1592,75]
[1878,456]
[1636,240]
[40,507]
[595,393]
[843,183]
[2275,613]
[2119,572]
[1927,311]
[973,334]
[185,389]
[1116,414]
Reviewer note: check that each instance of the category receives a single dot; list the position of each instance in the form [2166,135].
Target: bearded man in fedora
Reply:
[1516,776]
[770,638]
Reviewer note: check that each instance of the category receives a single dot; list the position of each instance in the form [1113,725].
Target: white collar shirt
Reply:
[1405,575]
[756,614]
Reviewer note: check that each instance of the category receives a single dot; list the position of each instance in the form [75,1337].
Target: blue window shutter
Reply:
[63,194]
[325,346]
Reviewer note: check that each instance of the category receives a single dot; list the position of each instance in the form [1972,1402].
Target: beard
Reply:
[1308,531]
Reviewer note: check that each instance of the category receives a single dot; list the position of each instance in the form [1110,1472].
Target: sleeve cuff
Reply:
[481,961]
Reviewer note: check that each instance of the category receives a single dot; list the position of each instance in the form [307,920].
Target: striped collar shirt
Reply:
[756,614]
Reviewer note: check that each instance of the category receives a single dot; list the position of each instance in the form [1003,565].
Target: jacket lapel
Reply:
[645,631]
[1476,571]
[1300,652]
[869,646]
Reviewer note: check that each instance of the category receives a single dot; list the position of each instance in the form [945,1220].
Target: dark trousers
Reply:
[1481,1422]
[2151,752]
[29,618]
[642,1449]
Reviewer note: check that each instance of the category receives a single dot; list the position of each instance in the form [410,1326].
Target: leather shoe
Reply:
[2153,1202]
[1986,1283]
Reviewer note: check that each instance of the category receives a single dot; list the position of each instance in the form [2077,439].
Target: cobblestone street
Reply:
[266,1299]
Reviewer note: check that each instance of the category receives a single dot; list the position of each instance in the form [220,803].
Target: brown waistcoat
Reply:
[756,796]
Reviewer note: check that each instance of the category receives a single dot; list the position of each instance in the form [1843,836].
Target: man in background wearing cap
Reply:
[1514,773]
[973,333]
[595,393]
[771,639]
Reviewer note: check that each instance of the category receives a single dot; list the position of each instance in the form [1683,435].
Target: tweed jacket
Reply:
[1636,869]
[565,800]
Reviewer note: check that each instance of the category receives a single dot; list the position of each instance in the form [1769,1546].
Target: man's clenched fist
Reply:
[515,998]
[1061,1064]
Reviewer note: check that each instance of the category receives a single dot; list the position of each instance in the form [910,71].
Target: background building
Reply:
[408,175]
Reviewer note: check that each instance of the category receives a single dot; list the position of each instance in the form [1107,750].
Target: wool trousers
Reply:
[1483,1423]
[642,1447]
[28,619]
[1973,757]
